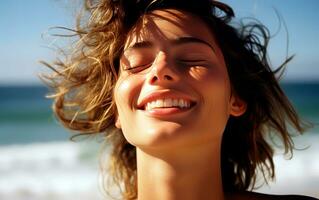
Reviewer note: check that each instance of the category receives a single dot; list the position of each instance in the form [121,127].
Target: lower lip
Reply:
[166,111]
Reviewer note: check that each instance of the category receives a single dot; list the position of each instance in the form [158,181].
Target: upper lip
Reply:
[163,94]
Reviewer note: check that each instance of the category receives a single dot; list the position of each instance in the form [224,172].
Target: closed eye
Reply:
[138,68]
[191,61]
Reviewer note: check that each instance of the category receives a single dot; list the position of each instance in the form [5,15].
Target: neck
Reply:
[191,173]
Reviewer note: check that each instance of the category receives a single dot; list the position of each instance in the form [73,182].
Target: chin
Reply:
[162,135]
[171,136]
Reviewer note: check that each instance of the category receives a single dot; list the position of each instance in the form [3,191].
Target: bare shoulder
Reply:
[260,196]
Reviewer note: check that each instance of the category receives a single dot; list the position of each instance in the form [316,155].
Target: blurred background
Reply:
[37,159]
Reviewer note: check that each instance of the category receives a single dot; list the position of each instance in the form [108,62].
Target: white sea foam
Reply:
[300,174]
[48,171]
[68,170]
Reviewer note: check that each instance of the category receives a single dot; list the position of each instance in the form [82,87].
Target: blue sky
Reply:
[24,39]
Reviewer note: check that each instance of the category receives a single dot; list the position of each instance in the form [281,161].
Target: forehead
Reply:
[169,24]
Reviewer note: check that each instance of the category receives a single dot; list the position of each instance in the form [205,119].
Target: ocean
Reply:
[38,161]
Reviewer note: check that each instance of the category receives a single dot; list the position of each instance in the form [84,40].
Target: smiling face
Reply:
[173,88]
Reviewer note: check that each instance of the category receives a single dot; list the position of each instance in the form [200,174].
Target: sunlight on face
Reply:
[173,87]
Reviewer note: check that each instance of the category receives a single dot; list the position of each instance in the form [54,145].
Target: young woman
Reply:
[188,101]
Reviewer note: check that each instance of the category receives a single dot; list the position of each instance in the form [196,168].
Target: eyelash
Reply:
[139,68]
[131,69]
[190,62]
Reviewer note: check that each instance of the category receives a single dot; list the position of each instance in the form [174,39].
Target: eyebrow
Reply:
[177,41]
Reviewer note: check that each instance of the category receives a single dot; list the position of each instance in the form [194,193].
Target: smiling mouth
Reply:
[177,104]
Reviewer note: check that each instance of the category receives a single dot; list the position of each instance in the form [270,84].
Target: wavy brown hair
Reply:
[83,86]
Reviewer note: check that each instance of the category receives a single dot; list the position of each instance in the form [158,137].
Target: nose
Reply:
[163,70]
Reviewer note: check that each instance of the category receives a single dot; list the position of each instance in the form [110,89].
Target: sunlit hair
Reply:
[84,83]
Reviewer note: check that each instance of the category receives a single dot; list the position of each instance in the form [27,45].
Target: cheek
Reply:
[198,73]
[121,92]
[125,93]
[203,74]
[213,83]
[214,87]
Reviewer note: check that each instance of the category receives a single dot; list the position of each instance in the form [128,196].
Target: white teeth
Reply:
[175,102]
[152,104]
[168,103]
[159,103]
[181,103]
[164,103]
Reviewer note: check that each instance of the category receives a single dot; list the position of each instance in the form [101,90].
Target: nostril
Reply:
[154,78]
[167,77]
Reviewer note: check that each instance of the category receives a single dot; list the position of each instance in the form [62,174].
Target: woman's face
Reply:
[173,88]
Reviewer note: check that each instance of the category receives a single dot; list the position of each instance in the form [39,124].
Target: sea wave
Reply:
[68,170]
[299,173]
[48,171]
